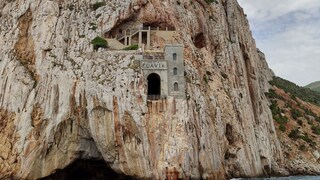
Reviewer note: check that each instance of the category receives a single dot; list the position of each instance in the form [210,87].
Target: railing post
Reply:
[148,38]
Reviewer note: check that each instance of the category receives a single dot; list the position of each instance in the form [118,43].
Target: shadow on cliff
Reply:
[85,170]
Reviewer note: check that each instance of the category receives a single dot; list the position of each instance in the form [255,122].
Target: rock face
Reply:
[60,101]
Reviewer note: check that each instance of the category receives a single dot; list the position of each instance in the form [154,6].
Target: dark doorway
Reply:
[154,86]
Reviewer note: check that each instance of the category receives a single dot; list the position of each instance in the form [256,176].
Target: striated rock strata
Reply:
[60,101]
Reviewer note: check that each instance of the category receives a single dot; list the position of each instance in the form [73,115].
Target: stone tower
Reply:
[175,59]
[164,73]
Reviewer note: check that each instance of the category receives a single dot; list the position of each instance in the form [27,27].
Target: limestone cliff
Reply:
[61,101]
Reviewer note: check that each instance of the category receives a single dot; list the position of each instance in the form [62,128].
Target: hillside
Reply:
[296,91]
[315,86]
[297,125]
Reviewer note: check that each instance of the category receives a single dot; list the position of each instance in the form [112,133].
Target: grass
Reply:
[99,42]
[132,47]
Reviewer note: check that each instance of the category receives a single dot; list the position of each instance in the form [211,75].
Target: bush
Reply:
[132,47]
[277,115]
[306,138]
[99,42]
[97,5]
[294,134]
[302,147]
[272,94]
[282,128]
[315,130]
[211,1]
[295,114]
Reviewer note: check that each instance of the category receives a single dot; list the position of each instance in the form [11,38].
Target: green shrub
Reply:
[295,114]
[302,147]
[294,134]
[211,1]
[315,130]
[99,42]
[272,94]
[282,128]
[276,113]
[97,5]
[306,138]
[132,47]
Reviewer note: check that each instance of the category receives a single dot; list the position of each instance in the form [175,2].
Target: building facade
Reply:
[164,72]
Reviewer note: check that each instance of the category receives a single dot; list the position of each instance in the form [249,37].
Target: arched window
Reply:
[174,56]
[176,86]
[175,71]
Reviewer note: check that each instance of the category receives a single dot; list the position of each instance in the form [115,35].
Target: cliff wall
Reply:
[61,101]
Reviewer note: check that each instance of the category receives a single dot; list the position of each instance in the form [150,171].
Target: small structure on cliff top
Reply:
[164,72]
[145,36]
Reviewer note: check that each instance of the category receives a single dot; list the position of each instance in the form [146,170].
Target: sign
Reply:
[154,65]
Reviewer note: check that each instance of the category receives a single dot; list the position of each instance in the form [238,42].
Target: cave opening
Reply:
[199,40]
[154,86]
[87,169]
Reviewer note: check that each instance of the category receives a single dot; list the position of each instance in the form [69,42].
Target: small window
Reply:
[174,56]
[175,71]
[176,86]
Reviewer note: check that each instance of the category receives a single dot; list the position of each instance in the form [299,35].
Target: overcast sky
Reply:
[288,32]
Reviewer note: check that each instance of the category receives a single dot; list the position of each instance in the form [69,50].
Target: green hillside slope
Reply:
[303,93]
[314,86]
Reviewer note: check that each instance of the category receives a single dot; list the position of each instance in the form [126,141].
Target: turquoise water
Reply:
[284,178]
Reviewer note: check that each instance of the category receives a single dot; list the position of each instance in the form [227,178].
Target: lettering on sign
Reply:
[154,65]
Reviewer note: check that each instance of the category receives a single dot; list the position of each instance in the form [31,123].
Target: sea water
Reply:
[284,178]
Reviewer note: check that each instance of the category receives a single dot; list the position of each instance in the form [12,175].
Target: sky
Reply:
[288,32]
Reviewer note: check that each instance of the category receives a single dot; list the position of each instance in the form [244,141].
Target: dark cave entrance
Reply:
[154,86]
[85,170]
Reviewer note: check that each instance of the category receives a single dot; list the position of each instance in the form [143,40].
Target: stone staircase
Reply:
[115,44]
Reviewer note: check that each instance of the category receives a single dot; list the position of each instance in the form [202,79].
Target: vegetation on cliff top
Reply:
[315,86]
[211,1]
[304,94]
[99,42]
[132,47]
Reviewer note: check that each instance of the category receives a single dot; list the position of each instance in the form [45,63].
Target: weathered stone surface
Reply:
[67,102]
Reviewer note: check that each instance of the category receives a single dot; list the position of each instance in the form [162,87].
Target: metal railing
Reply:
[130,32]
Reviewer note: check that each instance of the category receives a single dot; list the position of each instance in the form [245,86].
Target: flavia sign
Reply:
[154,65]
